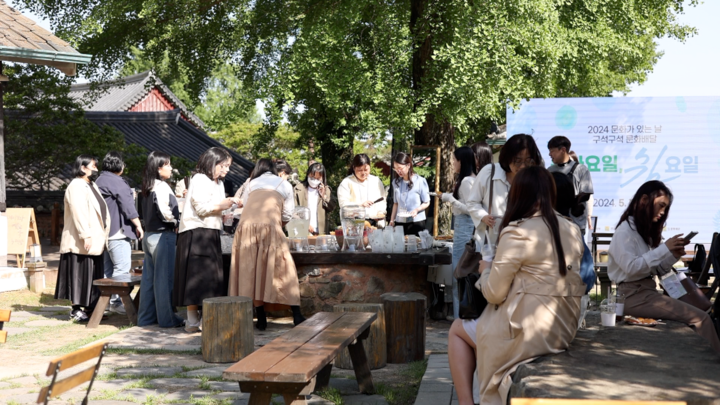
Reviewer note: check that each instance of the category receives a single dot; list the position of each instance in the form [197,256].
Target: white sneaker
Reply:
[118,309]
[450,318]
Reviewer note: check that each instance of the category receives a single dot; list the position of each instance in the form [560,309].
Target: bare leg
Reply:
[462,358]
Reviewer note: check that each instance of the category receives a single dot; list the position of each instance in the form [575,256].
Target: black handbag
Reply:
[472,302]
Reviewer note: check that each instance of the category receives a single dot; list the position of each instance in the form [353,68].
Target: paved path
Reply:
[176,374]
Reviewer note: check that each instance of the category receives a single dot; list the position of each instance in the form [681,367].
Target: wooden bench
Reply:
[4,317]
[62,363]
[122,286]
[299,362]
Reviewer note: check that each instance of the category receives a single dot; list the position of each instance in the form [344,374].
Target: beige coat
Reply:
[532,310]
[83,220]
[325,204]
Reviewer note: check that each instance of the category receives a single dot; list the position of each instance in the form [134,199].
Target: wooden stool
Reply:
[404,326]
[227,329]
[375,344]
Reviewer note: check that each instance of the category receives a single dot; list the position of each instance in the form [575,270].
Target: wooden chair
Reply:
[702,278]
[600,239]
[62,363]
[551,401]
[4,317]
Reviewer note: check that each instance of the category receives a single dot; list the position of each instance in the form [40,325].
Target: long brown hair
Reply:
[533,191]
[403,158]
[643,213]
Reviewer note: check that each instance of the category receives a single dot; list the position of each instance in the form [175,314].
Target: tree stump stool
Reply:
[227,329]
[404,326]
[375,344]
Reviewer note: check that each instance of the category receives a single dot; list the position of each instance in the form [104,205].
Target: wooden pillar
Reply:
[227,329]
[55,225]
[375,345]
[404,326]
[3,198]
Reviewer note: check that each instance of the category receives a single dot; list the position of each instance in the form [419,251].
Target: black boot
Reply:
[261,318]
[297,316]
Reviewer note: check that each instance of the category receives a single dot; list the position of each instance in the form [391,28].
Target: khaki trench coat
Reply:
[82,220]
[325,205]
[532,310]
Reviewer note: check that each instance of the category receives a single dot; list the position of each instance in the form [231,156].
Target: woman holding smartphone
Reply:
[315,194]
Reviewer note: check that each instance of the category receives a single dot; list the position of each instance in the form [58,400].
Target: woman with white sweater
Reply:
[198,257]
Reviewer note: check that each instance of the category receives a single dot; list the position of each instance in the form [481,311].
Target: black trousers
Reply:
[413,228]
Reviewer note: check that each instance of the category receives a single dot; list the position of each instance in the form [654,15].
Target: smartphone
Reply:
[691,235]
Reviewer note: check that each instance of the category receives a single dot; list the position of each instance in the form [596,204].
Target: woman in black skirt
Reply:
[83,241]
[198,257]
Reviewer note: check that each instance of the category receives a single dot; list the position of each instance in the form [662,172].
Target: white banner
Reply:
[626,141]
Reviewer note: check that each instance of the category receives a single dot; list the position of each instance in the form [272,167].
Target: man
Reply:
[123,217]
[559,147]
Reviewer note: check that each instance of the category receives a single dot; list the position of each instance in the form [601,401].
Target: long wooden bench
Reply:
[122,286]
[299,362]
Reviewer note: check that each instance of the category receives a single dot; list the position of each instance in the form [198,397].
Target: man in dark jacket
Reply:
[124,221]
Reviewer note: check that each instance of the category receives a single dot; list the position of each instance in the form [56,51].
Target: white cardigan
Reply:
[479,201]
[202,197]
[82,220]
[352,192]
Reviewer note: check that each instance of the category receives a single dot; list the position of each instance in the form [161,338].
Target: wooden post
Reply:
[3,198]
[375,345]
[55,225]
[227,329]
[404,326]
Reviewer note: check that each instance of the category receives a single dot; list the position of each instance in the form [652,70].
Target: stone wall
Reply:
[347,283]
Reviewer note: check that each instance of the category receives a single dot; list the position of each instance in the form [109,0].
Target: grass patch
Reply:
[204,385]
[332,395]
[26,300]
[35,336]
[405,392]
[107,376]
[142,382]
[80,343]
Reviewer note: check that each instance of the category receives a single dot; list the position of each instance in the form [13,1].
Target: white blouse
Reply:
[269,181]
[352,192]
[459,207]
[479,200]
[202,197]
[630,258]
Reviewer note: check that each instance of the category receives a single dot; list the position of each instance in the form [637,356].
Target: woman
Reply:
[636,256]
[533,286]
[463,161]
[519,151]
[262,267]
[315,194]
[362,188]
[483,155]
[161,215]
[85,232]
[411,195]
[198,257]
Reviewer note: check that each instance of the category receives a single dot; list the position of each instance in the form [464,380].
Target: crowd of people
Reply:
[533,219]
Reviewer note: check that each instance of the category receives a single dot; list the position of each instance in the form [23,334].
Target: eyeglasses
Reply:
[528,161]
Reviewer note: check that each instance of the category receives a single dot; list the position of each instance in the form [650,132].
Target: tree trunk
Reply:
[2,146]
[431,133]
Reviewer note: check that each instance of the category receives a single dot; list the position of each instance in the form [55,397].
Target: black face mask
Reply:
[93,175]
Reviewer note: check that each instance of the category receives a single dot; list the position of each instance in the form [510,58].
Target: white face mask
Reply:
[314,183]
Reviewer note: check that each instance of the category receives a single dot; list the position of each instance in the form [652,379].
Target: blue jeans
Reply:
[157,281]
[464,228]
[118,259]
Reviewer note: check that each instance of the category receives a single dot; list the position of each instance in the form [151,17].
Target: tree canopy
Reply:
[424,71]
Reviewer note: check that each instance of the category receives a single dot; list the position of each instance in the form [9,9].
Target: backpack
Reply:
[587,269]
[698,261]
[578,207]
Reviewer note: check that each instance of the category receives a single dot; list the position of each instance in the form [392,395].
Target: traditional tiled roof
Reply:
[165,131]
[124,93]
[21,40]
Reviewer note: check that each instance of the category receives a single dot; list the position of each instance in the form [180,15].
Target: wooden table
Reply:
[122,286]
[300,361]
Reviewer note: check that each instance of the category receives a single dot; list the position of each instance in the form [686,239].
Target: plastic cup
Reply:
[607,313]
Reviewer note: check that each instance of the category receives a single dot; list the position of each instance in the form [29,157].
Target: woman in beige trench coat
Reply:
[533,286]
